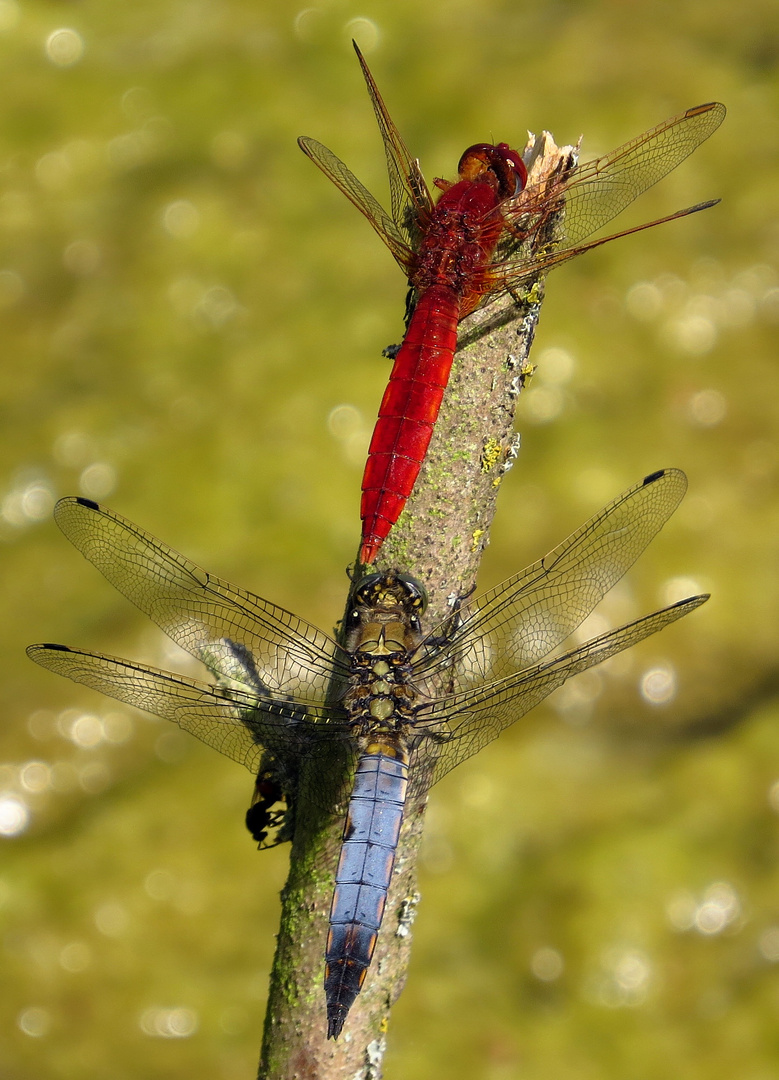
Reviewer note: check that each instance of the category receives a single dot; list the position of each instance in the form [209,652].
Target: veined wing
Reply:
[357,194]
[213,620]
[410,196]
[454,728]
[528,615]
[236,723]
[597,191]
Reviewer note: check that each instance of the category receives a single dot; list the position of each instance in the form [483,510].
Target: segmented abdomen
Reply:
[364,871]
[407,415]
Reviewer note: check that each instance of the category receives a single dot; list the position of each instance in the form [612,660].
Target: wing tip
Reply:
[652,477]
[671,474]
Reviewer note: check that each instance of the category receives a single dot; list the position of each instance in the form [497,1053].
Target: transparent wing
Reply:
[236,723]
[528,615]
[410,197]
[454,728]
[238,635]
[595,192]
[357,194]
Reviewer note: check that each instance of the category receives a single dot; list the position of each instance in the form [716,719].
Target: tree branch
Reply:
[439,539]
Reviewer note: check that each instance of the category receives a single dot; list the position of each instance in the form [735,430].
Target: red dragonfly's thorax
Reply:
[464,227]
[461,237]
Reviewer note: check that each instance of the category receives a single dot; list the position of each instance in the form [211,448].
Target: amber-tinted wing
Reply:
[594,193]
[410,197]
[237,723]
[241,637]
[523,619]
[452,729]
[344,179]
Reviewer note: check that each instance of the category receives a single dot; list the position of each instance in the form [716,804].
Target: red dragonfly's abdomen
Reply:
[362,879]
[407,415]
[450,279]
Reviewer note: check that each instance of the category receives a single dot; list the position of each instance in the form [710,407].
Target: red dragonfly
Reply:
[488,233]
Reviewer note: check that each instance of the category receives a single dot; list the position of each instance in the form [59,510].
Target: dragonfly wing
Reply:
[239,725]
[595,192]
[528,615]
[236,634]
[308,749]
[357,194]
[458,726]
[410,196]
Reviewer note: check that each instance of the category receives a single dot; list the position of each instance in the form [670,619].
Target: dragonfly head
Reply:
[504,163]
[384,614]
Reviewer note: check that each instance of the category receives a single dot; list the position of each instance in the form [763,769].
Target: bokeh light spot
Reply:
[679,588]
[34,1022]
[117,727]
[24,505]
[53,170]
[41,724]
[64,47]
[719,908]
[75,957]
[163,1023]
[644,301]
[73,449]
[14,816]
[547,964]
[81,258]
[181,219]
[658,685]
[35,776]
[307,22]
[693,334]
[555,366]
[707,408]
[681,909]
[623,980]
[365,32]
[85,730]
[159,884]
[112,919]
[137,103]
[543,404]
[769,944]
[97,480]
[218,305]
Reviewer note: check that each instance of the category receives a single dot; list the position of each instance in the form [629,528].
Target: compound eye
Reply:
[515,166]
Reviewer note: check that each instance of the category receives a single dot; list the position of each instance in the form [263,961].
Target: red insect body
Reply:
[454,256]
[450,279]
[407,415]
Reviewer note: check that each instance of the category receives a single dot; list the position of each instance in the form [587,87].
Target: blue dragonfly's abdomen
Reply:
[364,872]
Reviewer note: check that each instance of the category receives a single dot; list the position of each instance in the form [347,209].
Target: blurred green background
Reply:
[192,322]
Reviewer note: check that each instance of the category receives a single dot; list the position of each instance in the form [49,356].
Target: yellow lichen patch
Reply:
[476,539]
[490,455]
